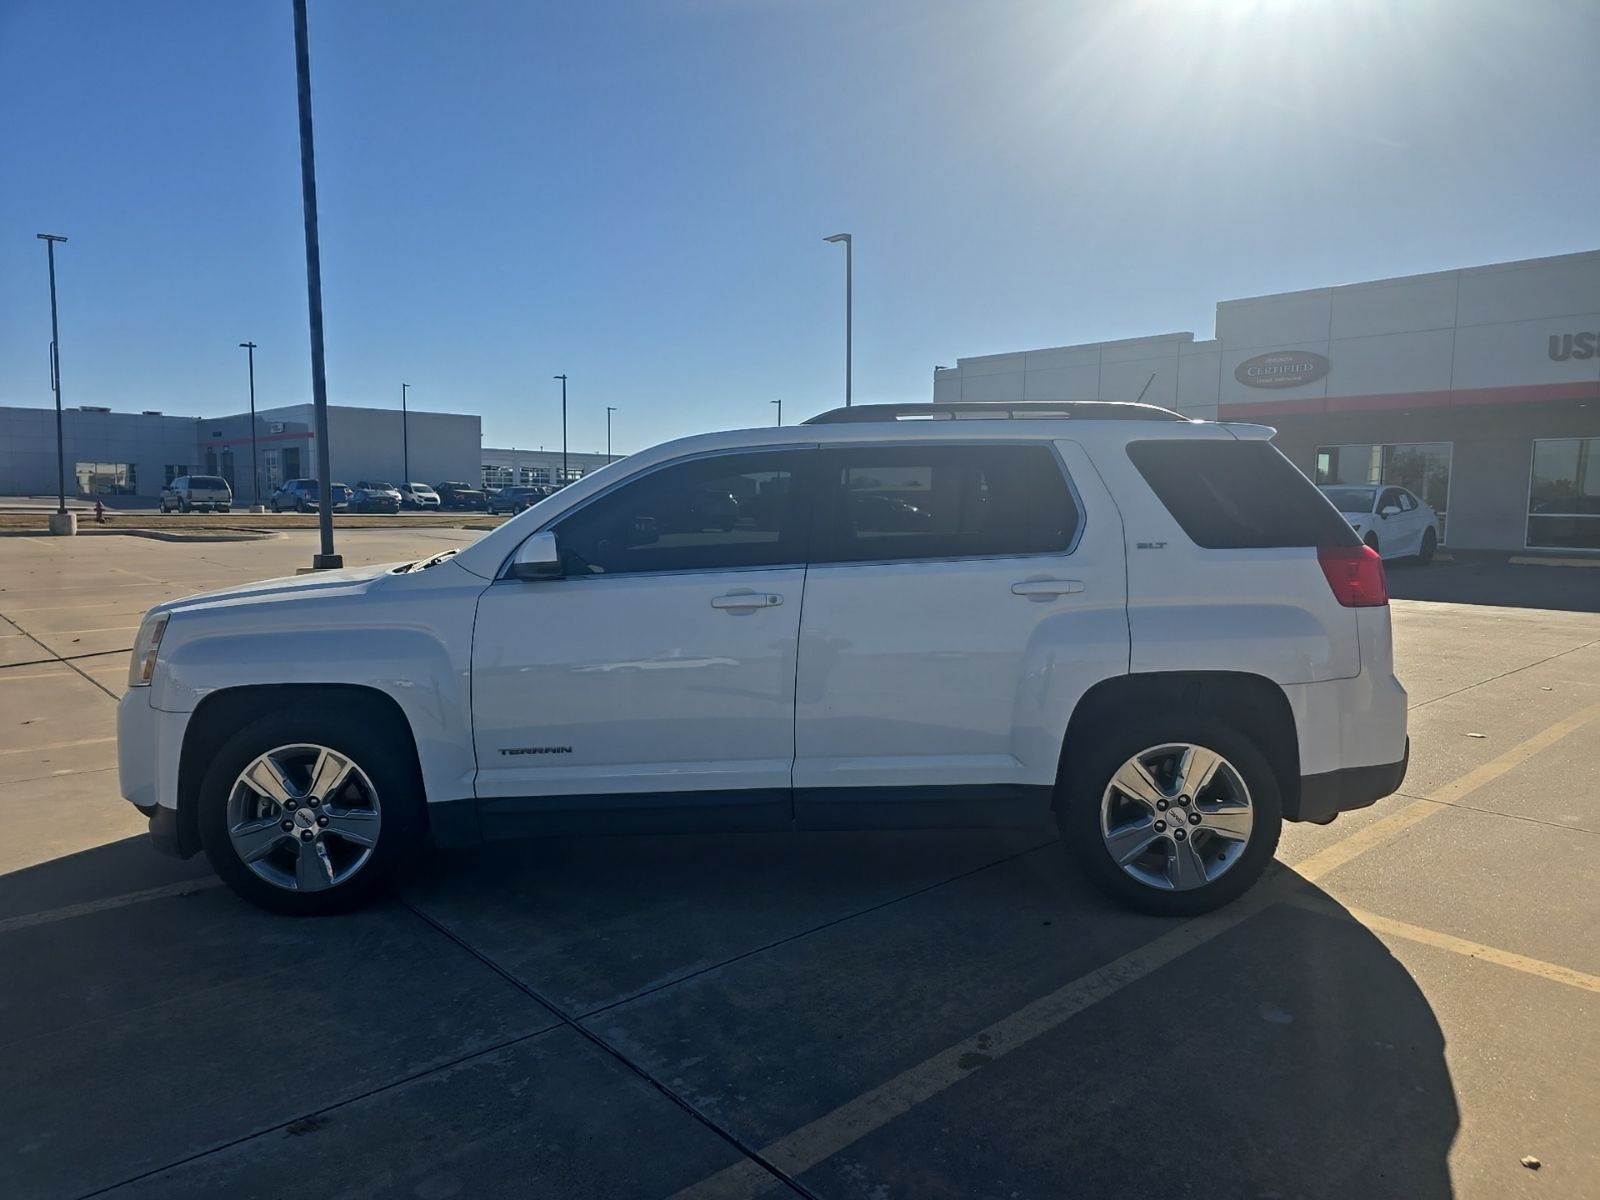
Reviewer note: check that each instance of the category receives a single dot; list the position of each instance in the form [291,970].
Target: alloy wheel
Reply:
[1176,816]
[303,817]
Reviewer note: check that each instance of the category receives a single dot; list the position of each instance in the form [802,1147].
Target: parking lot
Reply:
[1408,1006]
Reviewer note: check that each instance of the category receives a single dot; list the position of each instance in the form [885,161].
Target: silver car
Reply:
[197,493]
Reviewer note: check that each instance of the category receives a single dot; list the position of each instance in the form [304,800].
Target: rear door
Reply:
[961,596]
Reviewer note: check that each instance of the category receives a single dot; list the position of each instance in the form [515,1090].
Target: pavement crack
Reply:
[749,1153]
[15,624]
[1504,674]
[1494,812]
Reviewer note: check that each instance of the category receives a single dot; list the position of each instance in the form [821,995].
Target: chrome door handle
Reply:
[738,600]
[1047,587]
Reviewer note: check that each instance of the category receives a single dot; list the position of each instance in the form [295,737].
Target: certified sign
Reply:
[1285,368]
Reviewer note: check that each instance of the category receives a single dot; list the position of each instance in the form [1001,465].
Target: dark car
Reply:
[460,495]
[372,497]
[305,495]
[515,499]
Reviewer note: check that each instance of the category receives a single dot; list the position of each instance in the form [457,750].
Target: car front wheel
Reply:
[1430,543]
[311,812]
[1175,814]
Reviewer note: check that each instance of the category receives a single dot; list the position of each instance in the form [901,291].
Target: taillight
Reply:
[1355,573]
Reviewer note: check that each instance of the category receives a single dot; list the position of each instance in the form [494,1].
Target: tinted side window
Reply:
[1238,495]
[728,510]
[912,502]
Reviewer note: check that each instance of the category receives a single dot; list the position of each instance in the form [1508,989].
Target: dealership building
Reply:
[1478,389]
[134,454]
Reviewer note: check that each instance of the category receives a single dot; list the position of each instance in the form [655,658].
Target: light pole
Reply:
[563,379]
[845,238]
[62,522]
[610,408]
[327,559]
[779,403]
[255,472]
[405,437]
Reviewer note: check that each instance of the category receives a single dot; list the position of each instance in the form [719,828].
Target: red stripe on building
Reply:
[1459,397]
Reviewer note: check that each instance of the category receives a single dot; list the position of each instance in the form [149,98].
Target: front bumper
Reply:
[1323,797]
[149,749]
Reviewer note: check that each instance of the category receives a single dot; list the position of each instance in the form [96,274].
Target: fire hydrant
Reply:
[99,512]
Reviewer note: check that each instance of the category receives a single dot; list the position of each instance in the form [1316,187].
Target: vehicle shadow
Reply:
[769,980]
[1489,579]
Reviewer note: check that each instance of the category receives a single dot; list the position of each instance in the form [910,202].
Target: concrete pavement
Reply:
[1406,1007]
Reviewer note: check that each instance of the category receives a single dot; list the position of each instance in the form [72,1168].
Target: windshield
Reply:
[207,481]
[420,487]
[1350,499]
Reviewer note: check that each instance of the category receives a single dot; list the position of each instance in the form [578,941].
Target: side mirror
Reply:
[1389,510]
[538,558]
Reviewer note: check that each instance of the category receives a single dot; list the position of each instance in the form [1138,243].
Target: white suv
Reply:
[1152,631]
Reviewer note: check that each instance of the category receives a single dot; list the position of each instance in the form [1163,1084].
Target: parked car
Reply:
[1392,520]
[460,495]
[418,496]
[197,493]
[370,497]
[1152,632]
[515,499]
[304,495]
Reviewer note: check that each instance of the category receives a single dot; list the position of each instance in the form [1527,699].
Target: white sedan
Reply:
[1390,519]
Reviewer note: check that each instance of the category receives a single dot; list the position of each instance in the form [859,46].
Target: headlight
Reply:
[143,664]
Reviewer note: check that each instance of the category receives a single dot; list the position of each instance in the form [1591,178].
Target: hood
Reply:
[351,580]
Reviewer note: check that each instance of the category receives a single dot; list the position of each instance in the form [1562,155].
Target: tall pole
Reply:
[779,403]
[563,379]
[255,472]
[50,240]
[848,301]
[405,436]
[610,408]
[327,559]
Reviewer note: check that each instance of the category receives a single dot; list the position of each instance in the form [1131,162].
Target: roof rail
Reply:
[1047,410]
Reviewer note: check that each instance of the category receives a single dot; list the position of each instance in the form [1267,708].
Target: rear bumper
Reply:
[1323,797]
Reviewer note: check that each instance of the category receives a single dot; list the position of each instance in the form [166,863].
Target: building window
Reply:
[496,477]
[107,479]
[535,476]
[1420,467]
[1564,494]
[274,469]
[172,471]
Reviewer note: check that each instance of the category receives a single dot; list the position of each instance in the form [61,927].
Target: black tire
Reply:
[183,506]
[1101,753]
[372,747]
[1372,540]
[1430,543]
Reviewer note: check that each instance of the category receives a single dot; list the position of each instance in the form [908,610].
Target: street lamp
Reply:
[405,437]
[845,238]
[563,379]
[255,473]
[779,403]
[327,559]
[610,408]
[62,522]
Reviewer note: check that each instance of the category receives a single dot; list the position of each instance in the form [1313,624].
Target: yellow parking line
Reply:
[804,1148]
[1335,856]
[1554,972]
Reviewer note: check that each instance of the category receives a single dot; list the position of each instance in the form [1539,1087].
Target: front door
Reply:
[961,598]
[658,674]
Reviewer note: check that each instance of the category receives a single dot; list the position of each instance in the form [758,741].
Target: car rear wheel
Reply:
[1430,543]
[1372,540]
[1174,814]
[311,812]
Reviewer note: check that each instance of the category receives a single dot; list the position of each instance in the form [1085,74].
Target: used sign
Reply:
[1281,369]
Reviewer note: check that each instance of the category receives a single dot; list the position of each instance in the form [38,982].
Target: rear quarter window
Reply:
[1238,495]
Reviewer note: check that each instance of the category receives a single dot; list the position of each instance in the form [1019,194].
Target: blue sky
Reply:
[636,193]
